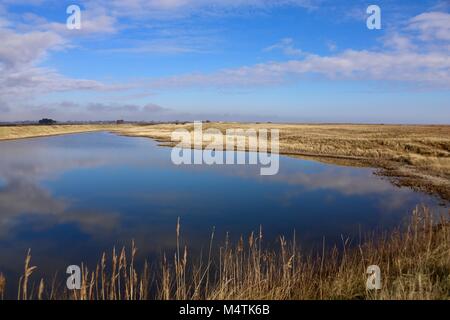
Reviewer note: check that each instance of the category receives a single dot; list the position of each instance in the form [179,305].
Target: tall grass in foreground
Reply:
[414,261]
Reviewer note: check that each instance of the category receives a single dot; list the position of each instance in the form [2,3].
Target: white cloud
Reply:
[73,110]
[286,46]
[18,50]
[398,42]
[22,77]
[431,69]
[94,21]
[412,56]
[431,26]
[129,109]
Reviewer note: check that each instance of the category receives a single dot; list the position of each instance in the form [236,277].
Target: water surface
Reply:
[71,197]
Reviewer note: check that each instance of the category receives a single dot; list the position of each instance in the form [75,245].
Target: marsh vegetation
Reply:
[417,156]
[414,261]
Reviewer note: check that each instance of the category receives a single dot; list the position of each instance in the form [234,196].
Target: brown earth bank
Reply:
[417,156]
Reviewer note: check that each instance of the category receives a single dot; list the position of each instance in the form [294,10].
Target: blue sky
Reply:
[244,60]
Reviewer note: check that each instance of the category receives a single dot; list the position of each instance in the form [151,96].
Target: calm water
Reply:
[71,197]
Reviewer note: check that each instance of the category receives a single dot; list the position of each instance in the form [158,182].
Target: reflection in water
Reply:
[71,197]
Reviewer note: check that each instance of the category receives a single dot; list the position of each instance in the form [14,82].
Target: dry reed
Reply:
[414,260]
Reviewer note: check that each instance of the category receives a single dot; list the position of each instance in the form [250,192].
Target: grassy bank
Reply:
[414,261]
[417,156]
[32,131]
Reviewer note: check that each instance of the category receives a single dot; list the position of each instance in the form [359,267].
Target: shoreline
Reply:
[413,156]
[400,172]
[19,132]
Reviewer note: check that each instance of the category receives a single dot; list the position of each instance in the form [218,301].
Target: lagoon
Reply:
[69,198]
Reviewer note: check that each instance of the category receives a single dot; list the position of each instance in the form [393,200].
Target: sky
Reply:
[231,60]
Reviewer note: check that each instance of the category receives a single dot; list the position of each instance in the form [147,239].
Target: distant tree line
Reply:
[46,121]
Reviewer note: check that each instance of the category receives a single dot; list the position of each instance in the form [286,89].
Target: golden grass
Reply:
[2,286]
[414,155]
[414,261]
[31,131]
